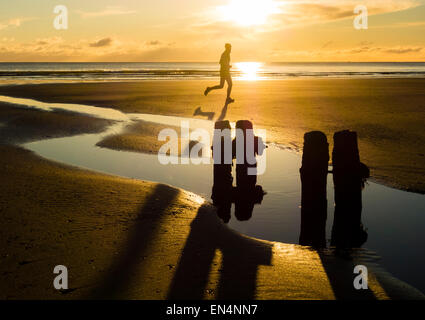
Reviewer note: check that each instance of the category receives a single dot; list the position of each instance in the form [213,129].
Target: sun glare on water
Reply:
[248,70]
[248,12]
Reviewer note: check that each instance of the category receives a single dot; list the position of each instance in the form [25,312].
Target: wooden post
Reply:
[248,194]
[348,175]
[243,180]
[314,171]
[222,191]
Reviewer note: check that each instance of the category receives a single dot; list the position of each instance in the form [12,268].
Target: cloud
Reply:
[108,11]
[49,41]
[295,13]
[105,49]
[404,50]
[317,11]
[101,43]
[371,50]
[327,44]
[219,29]
[411,24]
[398,25]
[114,49]
[153,43]
[393,50]
[15,22]
[365,43]
[367,53]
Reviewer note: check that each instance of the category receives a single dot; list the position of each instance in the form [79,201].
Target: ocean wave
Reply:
[108,72]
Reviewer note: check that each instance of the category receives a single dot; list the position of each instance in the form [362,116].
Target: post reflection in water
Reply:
[247,193]
[222,192]
[314,172]
[349,176]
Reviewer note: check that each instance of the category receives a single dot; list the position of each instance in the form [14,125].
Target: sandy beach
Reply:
[387,113]
[132,239]
[140,136]
[126,239]
[202,159]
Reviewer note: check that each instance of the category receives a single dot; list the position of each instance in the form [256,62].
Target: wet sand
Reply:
[127,239]
[388,114]
[140,136]
[21,125]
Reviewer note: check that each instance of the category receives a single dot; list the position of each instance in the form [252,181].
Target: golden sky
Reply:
[196,30]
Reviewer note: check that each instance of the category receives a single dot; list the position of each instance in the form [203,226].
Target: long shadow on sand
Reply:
[210,115]
[241,257]
[119,276]
[223,112]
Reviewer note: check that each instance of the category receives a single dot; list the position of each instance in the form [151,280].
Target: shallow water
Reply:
[110,71]
[394,218]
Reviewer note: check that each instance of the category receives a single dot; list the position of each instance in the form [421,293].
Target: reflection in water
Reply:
[246,199]
[222,192]
[246,193]
[349,175]
[392,214]
[314,203]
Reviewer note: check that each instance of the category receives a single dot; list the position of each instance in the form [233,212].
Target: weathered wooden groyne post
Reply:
[243,179]
[222,191]
[314,171]
[246,147]
[348,176]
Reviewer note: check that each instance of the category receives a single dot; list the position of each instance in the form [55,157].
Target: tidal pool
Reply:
[394,219]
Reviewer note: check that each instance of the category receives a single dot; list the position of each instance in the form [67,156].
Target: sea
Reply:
[114,71]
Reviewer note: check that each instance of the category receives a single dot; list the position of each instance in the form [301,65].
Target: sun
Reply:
[249,70]
[248,12]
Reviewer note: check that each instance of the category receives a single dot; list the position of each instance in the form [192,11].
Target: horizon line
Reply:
[3,62]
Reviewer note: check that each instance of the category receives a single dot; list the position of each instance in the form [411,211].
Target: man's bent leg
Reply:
[229,85]
[220,86]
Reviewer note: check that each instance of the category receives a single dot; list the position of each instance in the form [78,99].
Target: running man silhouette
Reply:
[224,74]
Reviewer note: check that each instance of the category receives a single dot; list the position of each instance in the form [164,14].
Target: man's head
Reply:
[228,47]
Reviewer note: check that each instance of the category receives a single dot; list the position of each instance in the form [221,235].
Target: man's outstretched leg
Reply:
[229,89]
[220,86]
